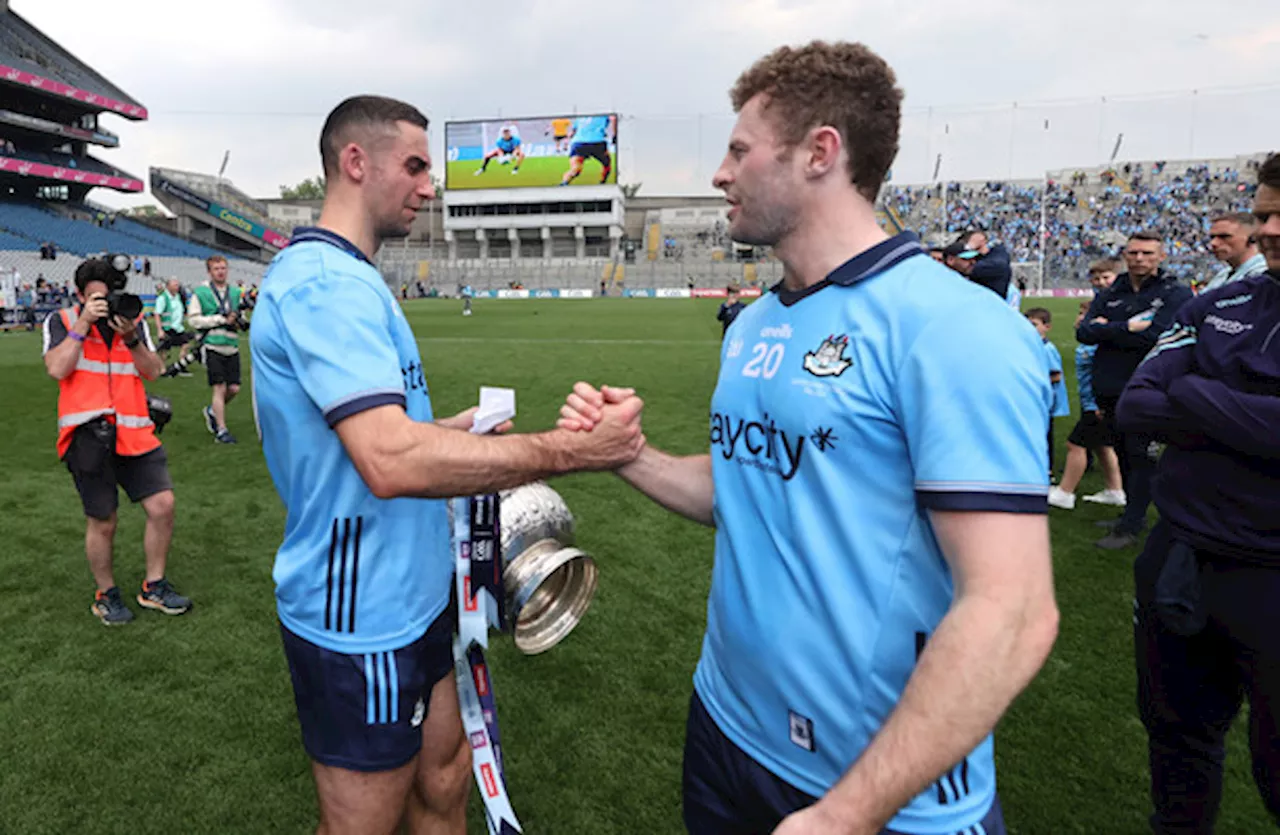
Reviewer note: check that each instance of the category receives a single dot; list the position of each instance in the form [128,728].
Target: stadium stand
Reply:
[1107,204]
[424,273]
[1086,213]
[221,191]
[190,271]
[30,224]
[24,47]
[72,161]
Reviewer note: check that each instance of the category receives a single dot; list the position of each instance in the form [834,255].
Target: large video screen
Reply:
[525,153]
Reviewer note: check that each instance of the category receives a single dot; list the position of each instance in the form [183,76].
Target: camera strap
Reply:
[478,563]
[223,300]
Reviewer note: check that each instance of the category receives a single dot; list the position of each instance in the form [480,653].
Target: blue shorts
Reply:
[598,151]
[364,712]
[726,792]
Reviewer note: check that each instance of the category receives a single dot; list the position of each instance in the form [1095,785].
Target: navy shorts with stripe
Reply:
[726,792]
[598,151]
[364,711]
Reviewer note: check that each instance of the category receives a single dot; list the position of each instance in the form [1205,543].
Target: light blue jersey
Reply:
[1084,378]
[842,414]
[508,145]
[591,129]
[355,573]
[1061,401]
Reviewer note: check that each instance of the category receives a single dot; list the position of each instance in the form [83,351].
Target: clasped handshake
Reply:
[610,417]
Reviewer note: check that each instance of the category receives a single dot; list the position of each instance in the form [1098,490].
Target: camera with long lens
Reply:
[113,271]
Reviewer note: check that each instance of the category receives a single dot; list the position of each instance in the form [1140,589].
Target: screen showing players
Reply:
[542,152]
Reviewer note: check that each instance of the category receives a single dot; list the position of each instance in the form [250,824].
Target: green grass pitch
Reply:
[187,724]
[534,171]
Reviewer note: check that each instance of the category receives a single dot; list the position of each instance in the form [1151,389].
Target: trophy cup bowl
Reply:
[549,584]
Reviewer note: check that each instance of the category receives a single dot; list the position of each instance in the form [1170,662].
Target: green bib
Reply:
[209,307]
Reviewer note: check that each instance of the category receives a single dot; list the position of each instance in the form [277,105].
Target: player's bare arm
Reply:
[397,456]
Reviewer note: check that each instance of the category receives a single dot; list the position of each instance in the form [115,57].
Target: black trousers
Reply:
[1190,687]
[1136,468]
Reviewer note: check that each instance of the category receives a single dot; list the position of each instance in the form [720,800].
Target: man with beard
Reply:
[882,586]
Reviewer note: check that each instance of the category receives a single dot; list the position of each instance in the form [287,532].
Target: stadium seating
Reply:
[190,271]
[696,234]
[1087,213]
[412,265]
[26,49]
[154,237]
[27,225]
[8,241]
[78,163]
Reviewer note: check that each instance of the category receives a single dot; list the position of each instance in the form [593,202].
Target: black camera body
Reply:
[113,270]
[160,409]
[240,322]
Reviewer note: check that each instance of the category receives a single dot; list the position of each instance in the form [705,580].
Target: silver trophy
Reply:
[549,584]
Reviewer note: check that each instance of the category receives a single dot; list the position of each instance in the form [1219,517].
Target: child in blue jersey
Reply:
[1042,319]
[1090,435]
[881,588]
[364,573]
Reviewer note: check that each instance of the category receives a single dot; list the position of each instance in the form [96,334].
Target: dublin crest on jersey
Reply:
[829,360]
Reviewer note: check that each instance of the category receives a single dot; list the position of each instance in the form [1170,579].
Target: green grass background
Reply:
[187,724]
[534,171]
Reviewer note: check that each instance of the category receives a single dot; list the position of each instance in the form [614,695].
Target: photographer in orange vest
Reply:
[106,435]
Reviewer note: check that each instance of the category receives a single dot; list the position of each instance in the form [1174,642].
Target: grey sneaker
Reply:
[210,422]
[225,437]
[109,607]
[162,597]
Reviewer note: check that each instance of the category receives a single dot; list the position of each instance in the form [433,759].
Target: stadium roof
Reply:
[30,59]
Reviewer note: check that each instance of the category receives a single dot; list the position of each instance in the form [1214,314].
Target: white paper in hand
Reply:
[496,406]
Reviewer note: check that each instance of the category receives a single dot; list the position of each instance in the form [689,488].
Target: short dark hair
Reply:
[361,112]
[1269,173]
[1106,265]
[95,269]
[1147,235]
[1245,219]
[842,85]
[1040,314]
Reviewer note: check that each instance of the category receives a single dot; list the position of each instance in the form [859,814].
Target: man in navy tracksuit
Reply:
[1207,625]
[1124,321]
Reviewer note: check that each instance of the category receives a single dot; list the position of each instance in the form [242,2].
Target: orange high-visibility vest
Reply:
[105,382]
